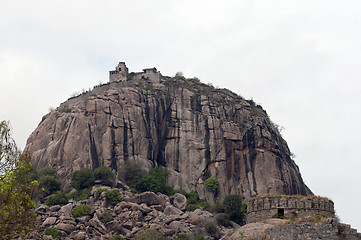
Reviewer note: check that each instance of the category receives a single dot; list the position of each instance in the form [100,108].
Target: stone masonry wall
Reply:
[307,230]
[261,208]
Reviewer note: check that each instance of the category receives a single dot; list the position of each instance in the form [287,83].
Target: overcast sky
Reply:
[299,59]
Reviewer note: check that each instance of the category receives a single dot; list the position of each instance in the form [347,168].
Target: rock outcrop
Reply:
[192,129]
[135,213]
[286,229]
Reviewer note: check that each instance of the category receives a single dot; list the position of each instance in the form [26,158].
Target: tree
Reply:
[211,184]
[104,174]
[233,207]
[82,179]
[16,214]
[155,181]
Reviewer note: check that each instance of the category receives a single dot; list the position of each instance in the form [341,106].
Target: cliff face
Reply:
[192,129]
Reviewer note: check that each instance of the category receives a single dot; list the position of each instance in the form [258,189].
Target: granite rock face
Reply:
[192,129]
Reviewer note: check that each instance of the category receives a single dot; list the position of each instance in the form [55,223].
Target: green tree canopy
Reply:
[16,214]
[154,181]
[211,184]
[84,178]
[104,174]
[233,207]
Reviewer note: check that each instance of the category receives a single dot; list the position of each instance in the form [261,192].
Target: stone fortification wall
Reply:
[261,208]
[307,230]
[120,74]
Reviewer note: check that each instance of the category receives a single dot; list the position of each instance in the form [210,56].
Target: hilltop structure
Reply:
[288,206]
[120,74]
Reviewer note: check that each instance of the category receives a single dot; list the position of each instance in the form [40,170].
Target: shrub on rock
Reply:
[224,220]
[211,184]
[57,199]
[50,184]
[82,179]
[55,233]
[183,236]
[113,196]
[210,228]
[80,210]
[104,174]
[149,234]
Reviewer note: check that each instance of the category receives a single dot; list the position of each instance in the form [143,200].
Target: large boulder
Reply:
[194,130]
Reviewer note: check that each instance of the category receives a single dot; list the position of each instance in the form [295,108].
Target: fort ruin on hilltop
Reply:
[288,206]
[120,74]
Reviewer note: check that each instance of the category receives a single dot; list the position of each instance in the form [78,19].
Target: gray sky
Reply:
[299,59]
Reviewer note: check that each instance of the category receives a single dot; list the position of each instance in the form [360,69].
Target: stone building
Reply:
[261,208]
[120,74]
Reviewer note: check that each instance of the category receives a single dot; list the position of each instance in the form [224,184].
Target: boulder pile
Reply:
[135,213]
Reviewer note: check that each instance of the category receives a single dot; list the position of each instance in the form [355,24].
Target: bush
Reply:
[57,199]
[116,237]
[193,202]
[80,210]
[55,233]
[82,179]
[211,184]
[155,181]
[107,217]
[50,184]
[217,208]
[233,207]
[131,171]
[99,191]
[224,220]
[183,236]
[210,228]
[81,195]
[199,237]
[149,234]
[47,171]
[104,174]
[113,196]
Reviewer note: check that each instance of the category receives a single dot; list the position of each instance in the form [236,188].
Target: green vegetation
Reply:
[84,178]
[233,207]
[193,201]
[211,184]
[217,207]
[104,174]
[179,75]
[113,196]
[224,220]
[107,217]
[199,237]
[131,171]
[16,187]
[116,237]
[211,228]
[183,236]
[80,195]
[80,210]
[50,184]
[149,234]
[47,171]
[57,199]
[154,181]
[99,191]
[55,233]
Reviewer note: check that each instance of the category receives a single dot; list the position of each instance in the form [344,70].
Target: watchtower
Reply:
[120,73]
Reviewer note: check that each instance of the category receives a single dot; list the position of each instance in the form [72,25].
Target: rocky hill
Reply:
[191,128]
